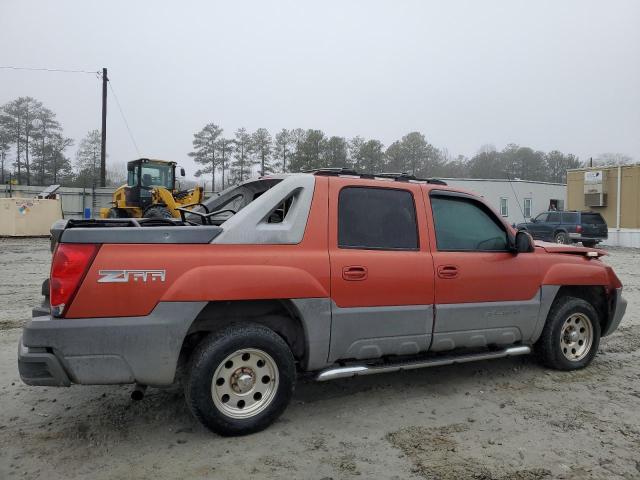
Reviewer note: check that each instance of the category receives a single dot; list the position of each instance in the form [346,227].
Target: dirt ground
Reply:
[501,419]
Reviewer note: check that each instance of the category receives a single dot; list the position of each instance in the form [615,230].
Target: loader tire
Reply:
[157,212]
[116,213]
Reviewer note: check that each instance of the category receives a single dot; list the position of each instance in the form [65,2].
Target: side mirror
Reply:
[532,220]
[182,173]
[524,242]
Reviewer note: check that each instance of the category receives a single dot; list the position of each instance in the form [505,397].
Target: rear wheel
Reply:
[157,211]
[240,379]
[561,237]
[571,335]
[588,244]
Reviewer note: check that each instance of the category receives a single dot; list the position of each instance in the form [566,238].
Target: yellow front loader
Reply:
[151,192]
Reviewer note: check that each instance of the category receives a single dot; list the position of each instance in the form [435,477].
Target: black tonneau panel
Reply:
[140,231]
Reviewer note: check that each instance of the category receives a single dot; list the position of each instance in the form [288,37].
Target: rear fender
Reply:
[242,282]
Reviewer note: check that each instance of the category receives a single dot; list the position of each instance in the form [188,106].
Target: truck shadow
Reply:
[99,414]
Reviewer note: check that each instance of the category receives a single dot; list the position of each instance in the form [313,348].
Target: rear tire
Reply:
[561,237]
[240,379]
[571,335]
[589,244]
[157,212]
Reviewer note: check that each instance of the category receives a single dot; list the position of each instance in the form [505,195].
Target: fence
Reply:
[74,199]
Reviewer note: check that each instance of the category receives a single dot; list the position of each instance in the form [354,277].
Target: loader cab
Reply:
[143,175]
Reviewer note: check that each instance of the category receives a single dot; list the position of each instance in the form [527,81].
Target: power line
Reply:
[59,70]
[123,117]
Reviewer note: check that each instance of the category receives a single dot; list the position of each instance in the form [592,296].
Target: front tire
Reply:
[240,379]
[571,335]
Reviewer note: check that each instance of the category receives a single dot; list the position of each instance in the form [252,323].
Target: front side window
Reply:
[527,207]
[542,218]
[462,224]
[554,217]
[377,218]
[504,207]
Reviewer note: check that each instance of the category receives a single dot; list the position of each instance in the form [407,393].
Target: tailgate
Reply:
[593,225]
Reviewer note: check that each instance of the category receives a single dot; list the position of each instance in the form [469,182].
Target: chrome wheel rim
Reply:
[576,337]
[245,383]
[560,239]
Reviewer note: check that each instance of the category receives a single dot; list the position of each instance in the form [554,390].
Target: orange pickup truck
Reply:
[332,272]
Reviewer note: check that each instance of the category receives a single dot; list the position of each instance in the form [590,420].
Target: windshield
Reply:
[152,175]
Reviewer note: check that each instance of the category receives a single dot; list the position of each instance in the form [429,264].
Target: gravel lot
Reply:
[503,419]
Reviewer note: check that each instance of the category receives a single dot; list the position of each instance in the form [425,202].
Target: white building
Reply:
[516,200]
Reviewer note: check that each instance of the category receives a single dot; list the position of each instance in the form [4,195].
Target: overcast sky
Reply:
[547,74]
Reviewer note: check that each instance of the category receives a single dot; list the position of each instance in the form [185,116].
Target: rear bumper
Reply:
[577,237]
[103,351]
[38,366]
[618,309]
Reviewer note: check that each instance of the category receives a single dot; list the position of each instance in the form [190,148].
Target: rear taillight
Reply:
[69,266]
[579,228]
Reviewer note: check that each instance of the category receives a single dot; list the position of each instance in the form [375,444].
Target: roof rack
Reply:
[398,177]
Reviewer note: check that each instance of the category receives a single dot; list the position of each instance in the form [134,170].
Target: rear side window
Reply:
[464,225]
[377,218]
[570,218]
[593,219]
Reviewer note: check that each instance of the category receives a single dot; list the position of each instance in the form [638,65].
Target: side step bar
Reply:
[357,370]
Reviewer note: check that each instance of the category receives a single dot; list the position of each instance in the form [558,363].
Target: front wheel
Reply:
[571,335]
[240,379]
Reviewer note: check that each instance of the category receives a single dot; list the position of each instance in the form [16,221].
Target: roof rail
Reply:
[398,177]
[331,171]
[405,177]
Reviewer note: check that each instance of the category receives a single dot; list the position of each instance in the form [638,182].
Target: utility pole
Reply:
[103,143]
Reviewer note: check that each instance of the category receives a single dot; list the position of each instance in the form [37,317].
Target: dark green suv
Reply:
[567,227]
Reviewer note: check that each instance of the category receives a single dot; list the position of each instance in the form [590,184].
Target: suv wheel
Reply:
[240,379]
[561,237]
[571,335]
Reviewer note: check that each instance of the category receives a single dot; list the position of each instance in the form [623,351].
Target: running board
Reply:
[357,370]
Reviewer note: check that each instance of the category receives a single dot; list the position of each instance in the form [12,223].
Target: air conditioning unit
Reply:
[595,199]
[595,188]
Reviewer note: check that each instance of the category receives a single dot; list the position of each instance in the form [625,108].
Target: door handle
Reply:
[448,271]
[355,273]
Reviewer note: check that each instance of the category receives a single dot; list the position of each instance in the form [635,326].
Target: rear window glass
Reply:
[592,218]
[377,218]
[570,217]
